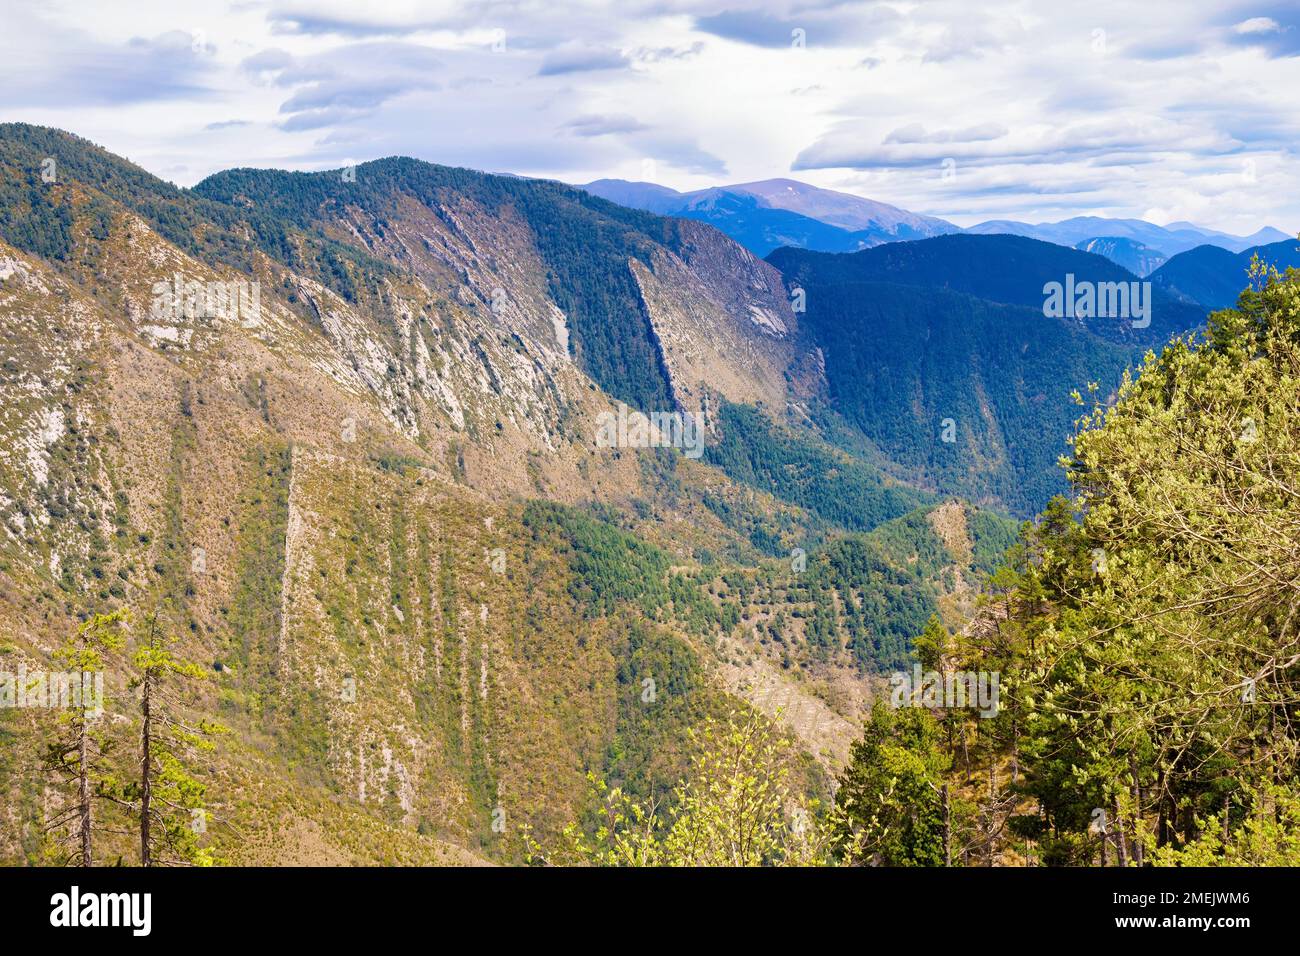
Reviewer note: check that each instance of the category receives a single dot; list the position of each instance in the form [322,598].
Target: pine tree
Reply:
[931,645]
[79,755]
[890,797]
[171,799]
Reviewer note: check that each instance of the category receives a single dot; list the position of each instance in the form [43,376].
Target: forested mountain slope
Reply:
[941,354]
[363,493]
[1145,634]
[1215,277]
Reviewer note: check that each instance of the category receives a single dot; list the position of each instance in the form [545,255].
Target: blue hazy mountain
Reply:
[1172,239]
[771,213]
[766,215]
[1137,258]
[1214,277]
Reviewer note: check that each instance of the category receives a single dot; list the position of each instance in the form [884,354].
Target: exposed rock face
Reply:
[722,320]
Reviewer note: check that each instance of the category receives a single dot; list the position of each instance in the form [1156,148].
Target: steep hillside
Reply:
[973,392]
[340,430]
[1137,258]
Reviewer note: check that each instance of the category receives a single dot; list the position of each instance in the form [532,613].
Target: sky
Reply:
[1165,110]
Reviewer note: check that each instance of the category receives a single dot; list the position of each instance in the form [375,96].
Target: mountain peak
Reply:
[769,213]
[845,210]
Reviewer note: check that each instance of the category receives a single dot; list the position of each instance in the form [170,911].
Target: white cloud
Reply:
[1258,25]
[1045,110]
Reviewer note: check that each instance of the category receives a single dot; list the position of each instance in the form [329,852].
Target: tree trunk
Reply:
[1162,819]
[1121,849]
[1015,752]
[83,790]
[146,769]
[947,828]
[1138,858]
[993,803]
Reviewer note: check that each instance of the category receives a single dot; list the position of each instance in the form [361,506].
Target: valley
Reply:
[476,500]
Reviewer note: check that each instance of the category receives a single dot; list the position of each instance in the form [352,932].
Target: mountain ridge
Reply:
[372,509]
[856,222]
[1215,277]
[780,212]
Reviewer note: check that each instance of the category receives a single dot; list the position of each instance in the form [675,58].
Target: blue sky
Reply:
[1028,110]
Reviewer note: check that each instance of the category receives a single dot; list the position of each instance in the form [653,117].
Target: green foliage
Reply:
[171,798]
[880,603]
[662,692]
[889,795]
[79,750]
[735,808]
[1269,835]
[254,616]
[931,645]
[610,566]
[992,535]
[1169,598]
[35,216]
[833,485]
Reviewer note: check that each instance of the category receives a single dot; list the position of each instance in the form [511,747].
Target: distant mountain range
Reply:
[766,215]
[1172,239]
[772,213]
[1214,277]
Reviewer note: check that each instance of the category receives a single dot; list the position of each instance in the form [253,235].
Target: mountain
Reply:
[1215,277]
[1169,240]
[844,210]
[1134,256]
[648,196]
[342,432]
[998,268]
[760,228]
[768,214]
[362,444]
[940,353]
[1259,237]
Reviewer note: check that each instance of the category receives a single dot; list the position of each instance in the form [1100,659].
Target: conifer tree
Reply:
[79,755]
[171,800]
